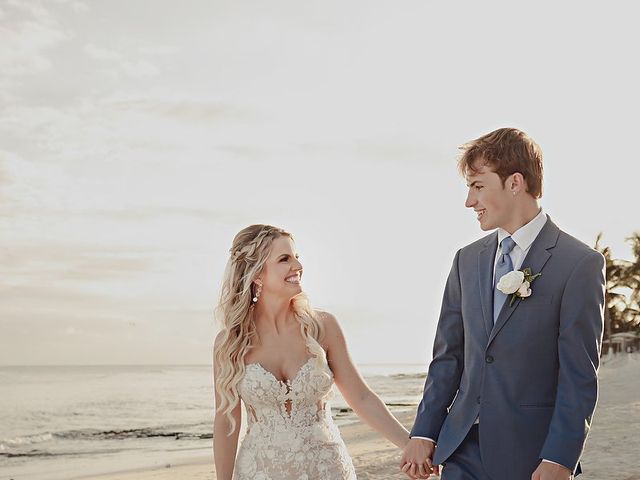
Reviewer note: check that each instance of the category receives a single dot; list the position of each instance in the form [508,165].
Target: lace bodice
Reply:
[290,433]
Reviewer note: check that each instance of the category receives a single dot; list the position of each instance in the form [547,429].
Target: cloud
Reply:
[4,174]
[139,128]
[159,50]
[135,68]
[28,34]
[100,53]
[47,193]
[76,5]
[80,7]
[25,46]
[28,185]
[178,106]
[140,69]
[147,213]
[36,11]
[32,299]
[134,214]
[377,151]
[44,264]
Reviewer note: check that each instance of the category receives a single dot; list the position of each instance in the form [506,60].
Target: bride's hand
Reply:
[416,461]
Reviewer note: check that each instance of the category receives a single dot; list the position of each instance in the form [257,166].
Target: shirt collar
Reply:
[526,234]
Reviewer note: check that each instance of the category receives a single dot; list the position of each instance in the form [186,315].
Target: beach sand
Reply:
[611,451]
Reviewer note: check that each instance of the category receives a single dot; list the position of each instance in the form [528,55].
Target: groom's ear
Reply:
[516,183]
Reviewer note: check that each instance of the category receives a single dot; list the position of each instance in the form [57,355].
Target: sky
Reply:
[136,139]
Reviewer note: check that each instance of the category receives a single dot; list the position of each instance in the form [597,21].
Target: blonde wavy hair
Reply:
[249,252]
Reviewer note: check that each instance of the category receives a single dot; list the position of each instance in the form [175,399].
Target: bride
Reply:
[281,358]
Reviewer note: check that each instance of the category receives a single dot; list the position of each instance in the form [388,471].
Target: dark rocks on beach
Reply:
[148,433]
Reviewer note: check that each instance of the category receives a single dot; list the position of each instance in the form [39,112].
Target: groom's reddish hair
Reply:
[506,151]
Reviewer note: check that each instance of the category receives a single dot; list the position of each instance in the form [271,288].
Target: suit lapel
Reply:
[486,260]
[536,259]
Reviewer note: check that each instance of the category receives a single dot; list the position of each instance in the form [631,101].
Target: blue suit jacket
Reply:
[531,378]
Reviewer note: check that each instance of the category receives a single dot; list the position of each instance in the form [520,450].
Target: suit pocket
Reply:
[537,300]
[538,405]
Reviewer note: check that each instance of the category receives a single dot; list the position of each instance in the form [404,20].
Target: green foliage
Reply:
[622,296]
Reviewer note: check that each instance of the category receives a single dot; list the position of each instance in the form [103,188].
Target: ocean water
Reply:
[59,423]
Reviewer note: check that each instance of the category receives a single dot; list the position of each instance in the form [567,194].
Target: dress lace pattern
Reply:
[290,433]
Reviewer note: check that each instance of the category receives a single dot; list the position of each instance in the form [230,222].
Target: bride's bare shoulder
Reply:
[329,324]
[326,319]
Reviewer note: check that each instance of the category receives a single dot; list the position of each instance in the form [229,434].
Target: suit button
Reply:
[478,399]
[489,359]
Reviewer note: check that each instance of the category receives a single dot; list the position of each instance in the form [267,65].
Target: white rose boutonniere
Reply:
[517,283]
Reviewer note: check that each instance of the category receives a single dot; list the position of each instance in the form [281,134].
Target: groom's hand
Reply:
[417,458]
[551,471]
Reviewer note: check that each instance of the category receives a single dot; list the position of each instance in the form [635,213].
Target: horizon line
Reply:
[176,364]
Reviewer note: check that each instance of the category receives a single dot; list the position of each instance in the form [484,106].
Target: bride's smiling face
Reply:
[282,272]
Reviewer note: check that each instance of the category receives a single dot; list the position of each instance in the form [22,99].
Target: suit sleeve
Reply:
[579,344]
[445,370]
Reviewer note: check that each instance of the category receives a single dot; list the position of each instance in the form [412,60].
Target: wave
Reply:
[90,434]
[25,440]
[23,445]
[44,453]
[342,410]
[400,376]
[33,453]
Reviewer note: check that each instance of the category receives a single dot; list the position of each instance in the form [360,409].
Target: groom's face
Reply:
[492,202]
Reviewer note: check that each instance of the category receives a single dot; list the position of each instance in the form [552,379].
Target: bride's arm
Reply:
[365,403]
[224,445]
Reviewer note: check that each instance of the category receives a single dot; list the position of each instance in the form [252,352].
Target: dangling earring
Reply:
[254,300]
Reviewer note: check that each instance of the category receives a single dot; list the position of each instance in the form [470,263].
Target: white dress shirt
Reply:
[523,237]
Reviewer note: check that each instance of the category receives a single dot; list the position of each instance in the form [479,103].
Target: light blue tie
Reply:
[504,266]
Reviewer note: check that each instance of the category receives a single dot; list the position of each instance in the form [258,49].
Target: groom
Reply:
[513,382]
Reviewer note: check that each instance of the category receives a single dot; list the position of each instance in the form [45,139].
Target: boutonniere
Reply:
[517,283]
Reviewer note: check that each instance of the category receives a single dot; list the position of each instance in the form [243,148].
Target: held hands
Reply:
[417,459]
[551,471]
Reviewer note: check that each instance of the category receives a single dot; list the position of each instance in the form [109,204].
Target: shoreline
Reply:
[373,456]
[610,450]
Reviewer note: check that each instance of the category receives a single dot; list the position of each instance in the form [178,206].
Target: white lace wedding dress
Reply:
[290,432]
